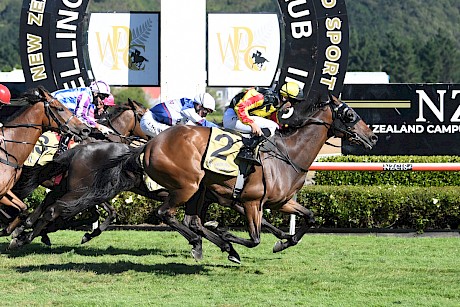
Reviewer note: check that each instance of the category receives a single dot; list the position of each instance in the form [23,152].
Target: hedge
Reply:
[342,199]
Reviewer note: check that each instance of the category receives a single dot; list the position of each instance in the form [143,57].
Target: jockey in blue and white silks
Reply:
[178,111]
[83,102]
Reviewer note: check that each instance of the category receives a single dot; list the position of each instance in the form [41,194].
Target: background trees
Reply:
[412,40]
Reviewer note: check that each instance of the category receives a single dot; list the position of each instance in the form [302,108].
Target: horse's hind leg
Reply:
[112,214]
[51,213]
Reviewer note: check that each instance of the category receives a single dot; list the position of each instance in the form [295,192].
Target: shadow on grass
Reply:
[170,269]
[38,248]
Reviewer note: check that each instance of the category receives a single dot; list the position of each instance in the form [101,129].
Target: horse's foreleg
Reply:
[293,207]
[253,213]
[12,200]
[272,229]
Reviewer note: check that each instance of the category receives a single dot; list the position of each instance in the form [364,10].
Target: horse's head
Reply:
[57,116]
[347,124]
[125,120]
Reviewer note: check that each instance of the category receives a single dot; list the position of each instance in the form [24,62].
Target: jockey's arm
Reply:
[191,115]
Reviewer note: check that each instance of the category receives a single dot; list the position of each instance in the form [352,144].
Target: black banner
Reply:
[33,42]
[315,50]
[409,119]
[51,43]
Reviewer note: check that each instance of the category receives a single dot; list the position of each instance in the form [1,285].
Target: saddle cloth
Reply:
[45,148]
[149,182]
[223,146]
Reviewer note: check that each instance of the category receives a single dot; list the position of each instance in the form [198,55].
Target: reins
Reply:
[284,156]
[49,114]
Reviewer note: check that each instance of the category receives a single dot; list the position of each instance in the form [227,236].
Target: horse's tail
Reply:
[118,174]
[33,176]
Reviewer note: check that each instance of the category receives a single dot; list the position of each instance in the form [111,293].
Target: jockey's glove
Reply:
[104,129]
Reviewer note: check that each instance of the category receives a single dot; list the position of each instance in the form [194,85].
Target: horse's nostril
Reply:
[375,138]
[86,131]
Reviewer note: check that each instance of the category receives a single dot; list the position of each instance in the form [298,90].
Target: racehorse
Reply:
[78,164]
[174,160]
[20,132]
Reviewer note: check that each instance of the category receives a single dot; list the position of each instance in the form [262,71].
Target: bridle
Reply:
[50,115]
[137,118]
[343,120]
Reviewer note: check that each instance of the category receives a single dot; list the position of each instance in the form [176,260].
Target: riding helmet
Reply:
[5,95]
[206,100]
[100,87]
[292,90]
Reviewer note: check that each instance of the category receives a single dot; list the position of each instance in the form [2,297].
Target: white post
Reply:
[182,48]
[292,221]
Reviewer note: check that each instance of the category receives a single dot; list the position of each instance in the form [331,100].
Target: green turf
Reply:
[139,268]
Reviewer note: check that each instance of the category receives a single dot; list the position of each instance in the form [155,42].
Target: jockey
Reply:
[102,105]
[251,111]
[83,101]
[178,111]
[5,98]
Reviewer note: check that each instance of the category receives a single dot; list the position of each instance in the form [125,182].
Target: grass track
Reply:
[138,268]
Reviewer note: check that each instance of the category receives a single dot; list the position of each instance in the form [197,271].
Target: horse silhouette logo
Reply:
[137,60]
[259,60]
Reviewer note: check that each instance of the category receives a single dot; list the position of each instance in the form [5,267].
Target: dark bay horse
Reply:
[77,166]
[20,132]
[174,160]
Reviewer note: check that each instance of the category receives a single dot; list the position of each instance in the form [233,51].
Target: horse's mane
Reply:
[28,98]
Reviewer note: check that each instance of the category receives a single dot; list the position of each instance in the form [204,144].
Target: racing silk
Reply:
[179,111]
[79,101]
[252,104]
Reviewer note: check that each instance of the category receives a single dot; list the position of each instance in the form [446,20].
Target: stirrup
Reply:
[247,158]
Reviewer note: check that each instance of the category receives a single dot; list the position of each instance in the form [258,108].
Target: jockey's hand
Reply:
[255,129]
[104,129]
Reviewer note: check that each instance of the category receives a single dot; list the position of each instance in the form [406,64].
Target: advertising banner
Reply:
[51,45]
[409,119]
[124,48]
[243,49]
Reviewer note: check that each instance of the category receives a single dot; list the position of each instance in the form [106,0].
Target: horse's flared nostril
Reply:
[374,139]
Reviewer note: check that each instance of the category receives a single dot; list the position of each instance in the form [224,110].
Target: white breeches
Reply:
[231,121]
[150,126]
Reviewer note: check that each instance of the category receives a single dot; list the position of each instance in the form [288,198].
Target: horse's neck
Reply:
[24,137]
[124,123]
[306,142]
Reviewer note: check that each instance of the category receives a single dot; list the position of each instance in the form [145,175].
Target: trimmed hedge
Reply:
[342,199]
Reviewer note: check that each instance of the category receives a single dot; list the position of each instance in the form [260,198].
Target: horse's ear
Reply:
[331,97]
[130,102]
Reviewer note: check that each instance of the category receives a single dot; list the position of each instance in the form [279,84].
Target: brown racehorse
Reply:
[77,169]
[21,131]
[174,160]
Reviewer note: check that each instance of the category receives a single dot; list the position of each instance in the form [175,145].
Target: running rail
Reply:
[383,166]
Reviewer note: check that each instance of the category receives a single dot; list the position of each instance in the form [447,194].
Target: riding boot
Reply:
[247,151]
[63,144]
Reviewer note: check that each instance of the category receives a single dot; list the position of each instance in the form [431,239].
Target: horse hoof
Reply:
[86,238]
[46,240]
[234,258]
[211,224]
[197,254]
[279,246]
[15,244]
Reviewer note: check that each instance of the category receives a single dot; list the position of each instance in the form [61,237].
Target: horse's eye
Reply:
[350,115]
